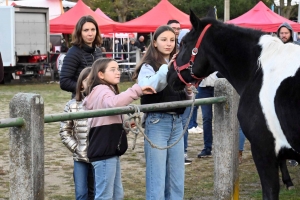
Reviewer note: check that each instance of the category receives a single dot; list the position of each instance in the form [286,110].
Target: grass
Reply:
[59,162]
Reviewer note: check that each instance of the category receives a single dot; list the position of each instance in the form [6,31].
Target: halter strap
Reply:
[190,64]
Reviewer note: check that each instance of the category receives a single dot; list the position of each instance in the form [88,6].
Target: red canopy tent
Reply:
[67,21]
[102,14]
[262,18]
[157,16]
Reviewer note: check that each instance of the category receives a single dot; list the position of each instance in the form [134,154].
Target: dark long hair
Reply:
[79,91]
[153,56]
[100,65]
[77,37]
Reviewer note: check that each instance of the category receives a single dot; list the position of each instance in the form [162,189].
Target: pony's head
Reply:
[191,64]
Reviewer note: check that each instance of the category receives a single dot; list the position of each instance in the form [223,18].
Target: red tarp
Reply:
[157,16]
[102,14]
[67,21]
[262,18]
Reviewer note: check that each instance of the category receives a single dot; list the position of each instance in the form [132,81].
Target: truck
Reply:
[24,41]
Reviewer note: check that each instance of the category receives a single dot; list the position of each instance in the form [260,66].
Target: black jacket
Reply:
[75,61]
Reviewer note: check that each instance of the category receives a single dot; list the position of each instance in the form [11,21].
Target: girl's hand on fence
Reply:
[172,60]
[148,90]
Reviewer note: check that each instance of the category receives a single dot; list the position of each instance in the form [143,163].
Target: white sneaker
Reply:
[192,130]
[187,161]
[195,130]
[199,130]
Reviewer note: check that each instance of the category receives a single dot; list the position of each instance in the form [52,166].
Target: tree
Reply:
[123,10]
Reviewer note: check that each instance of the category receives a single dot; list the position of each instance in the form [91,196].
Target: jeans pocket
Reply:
[154,118]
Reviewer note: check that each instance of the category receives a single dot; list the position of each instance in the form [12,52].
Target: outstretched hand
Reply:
[172,60]
[148,90]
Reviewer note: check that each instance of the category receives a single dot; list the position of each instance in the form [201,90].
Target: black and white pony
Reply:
[264,72]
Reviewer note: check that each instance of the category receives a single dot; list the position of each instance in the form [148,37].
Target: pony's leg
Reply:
[286,179]
[267,167]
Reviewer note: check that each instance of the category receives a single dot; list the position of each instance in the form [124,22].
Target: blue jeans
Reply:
[241,139]
[84,180]
[207,115]
[108,183]
[164,168]
[185,116]
[193,121]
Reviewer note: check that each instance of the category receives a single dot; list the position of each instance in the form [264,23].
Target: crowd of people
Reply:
[97,143]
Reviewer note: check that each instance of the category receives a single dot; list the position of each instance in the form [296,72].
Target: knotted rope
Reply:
[136,118]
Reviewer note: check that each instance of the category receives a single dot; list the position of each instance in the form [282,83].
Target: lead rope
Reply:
[136,117]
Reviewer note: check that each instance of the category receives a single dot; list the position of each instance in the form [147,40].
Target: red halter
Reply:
[190,64]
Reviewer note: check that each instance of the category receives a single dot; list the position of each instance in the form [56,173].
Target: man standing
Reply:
[140,43]
[175,25]
[285,33]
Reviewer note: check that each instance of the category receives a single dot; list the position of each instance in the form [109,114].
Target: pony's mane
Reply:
[276,54]
[234,28]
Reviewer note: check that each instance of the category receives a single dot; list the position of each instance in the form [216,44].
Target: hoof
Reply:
[290,187]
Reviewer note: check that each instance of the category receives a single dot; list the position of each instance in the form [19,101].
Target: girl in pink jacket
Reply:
[107,138]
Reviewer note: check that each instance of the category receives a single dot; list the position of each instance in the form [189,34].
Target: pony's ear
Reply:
[194,19]
[211,13]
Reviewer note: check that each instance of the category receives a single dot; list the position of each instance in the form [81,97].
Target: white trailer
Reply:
[24,41]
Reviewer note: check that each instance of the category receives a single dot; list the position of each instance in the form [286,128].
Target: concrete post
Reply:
[226,142]
[27,148]
[137,55]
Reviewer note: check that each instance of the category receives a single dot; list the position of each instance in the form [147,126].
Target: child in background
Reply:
[164,168]
[74,135]
[107,139]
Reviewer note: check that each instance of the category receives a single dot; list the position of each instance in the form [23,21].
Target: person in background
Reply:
[140,43]
[118,48]
[164,168]
[285,33]
[107,138]
[74,135]
[103,50]
[175,25]
[206,90]
[187,111]
[242,139]
[86,39]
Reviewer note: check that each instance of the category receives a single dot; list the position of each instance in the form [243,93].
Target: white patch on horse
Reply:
[278,62]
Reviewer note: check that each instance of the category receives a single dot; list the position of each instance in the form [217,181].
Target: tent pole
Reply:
[299,12]
[113,45]
[226,10]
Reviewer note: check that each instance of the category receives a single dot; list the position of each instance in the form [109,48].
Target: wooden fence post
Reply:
[27,148]
[226,142]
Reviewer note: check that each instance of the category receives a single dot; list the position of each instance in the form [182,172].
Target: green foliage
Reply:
[125,10]
[200,7]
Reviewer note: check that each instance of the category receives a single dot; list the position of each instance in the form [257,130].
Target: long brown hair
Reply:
[100,65]
[80,93]
[153,56]
[76,35]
